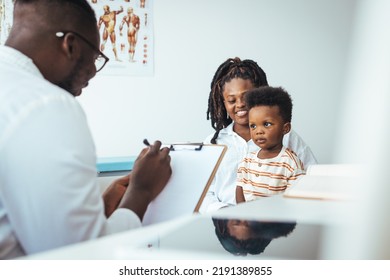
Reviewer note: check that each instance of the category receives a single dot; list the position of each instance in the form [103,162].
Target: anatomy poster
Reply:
[126,36]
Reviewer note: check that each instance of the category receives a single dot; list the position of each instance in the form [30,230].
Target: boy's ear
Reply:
[286,128]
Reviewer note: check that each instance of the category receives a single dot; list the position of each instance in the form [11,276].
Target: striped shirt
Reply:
[266,177]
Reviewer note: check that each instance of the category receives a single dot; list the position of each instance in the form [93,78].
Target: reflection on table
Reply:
[242,237]
[234,238]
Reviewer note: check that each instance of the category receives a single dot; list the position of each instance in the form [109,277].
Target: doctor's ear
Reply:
[286,128]
[68,44]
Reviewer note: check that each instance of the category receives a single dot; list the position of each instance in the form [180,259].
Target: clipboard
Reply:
[194,166]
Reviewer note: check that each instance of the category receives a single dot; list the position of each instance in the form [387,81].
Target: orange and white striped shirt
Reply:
[266,177]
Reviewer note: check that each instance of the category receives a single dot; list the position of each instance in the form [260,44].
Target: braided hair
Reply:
[232,68]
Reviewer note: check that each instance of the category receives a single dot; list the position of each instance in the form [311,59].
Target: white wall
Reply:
[364,134]
[302,45]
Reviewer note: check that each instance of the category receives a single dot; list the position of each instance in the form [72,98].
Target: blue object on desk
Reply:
[113,164]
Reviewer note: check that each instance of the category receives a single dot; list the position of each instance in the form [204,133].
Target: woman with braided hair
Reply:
[229,117]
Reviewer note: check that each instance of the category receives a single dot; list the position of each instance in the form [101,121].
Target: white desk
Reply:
[134,244]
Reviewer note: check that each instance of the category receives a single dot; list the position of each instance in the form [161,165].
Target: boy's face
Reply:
[267,128]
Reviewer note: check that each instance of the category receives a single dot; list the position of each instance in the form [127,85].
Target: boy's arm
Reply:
[239,195]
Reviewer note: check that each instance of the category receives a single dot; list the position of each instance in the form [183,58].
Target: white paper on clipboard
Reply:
[193,170]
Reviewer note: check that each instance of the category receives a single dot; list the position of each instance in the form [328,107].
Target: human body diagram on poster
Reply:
[126,35]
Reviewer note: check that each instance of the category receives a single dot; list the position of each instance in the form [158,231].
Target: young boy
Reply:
[271,169]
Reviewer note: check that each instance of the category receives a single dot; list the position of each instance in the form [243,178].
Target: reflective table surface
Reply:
[274,228]
[233,238]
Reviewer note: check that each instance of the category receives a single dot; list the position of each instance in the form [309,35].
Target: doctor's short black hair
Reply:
[270,96]
[81,5]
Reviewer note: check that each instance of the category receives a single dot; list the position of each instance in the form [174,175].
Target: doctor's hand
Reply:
[150,174]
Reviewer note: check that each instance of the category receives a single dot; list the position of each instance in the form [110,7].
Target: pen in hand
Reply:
[146,142]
